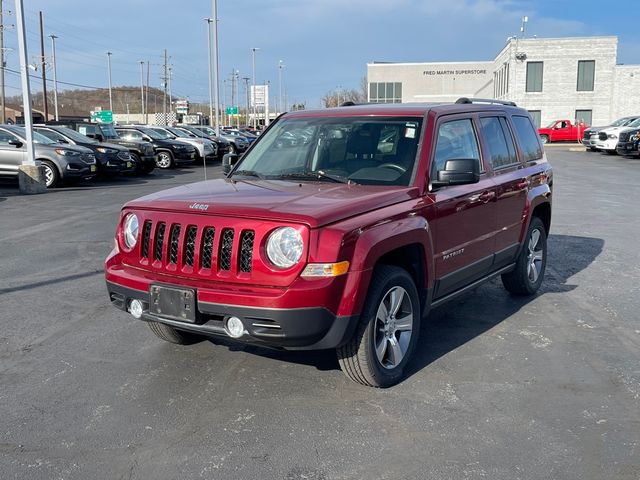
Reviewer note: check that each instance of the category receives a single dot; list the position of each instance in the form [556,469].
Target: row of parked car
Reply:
[80,150]
[621,137]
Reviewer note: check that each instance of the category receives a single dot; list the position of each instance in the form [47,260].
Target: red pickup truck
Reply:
[562,131]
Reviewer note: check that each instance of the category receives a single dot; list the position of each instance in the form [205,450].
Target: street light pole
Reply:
[209,22]
[109,68]
[55,76]
[141,90]
[280,106]
[246,91]
[255,113]
[214,6]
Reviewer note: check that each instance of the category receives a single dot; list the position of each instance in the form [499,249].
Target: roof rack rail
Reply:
[486,100]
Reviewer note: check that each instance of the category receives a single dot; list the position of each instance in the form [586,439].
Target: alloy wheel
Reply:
[394,327]
[535,256]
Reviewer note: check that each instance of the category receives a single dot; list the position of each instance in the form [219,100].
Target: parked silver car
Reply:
[61,162]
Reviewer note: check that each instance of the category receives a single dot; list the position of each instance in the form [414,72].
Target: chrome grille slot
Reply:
[207,247]
[246,250]
[173,243]
[157,247]
[124,155]
[226,246]
[146,237]
[189,245]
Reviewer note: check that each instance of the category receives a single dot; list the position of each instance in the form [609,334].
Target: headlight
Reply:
[130,231]
[284,247]
[611,135]
[66,153]
[106,150]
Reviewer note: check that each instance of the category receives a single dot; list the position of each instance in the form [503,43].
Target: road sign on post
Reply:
[102,116]
[232,110]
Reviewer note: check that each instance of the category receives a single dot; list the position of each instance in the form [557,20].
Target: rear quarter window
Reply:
[527,138]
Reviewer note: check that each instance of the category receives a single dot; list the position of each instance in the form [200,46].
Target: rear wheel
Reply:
[544,139]
[164,159]
[387,331]
[171,335]
[526,277]
[51,175]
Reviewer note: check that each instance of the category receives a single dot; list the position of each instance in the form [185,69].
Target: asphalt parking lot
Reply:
[501,387]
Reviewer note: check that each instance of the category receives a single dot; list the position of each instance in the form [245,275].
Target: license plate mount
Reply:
[173,303]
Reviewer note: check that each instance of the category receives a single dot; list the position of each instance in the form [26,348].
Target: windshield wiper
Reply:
[317,175]
[248,173]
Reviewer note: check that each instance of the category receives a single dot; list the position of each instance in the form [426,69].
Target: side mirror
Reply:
[228,162]
[15,142]
[146,138]
[460,171]
[99,137]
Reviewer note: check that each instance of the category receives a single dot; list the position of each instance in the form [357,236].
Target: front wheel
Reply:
[526,277]
[51,175]
[171,335]
[544,139]
[387,331]
[164,160]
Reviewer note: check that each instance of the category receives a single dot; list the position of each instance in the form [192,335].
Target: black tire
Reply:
[358,357]
[519,281]
[171,335]
[232,148]
[136,158]
[51,174]
[544,139]
[148,168]
[164,159]
[611,152]
[593,149]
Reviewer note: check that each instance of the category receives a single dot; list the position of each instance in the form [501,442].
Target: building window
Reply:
[586,74]
[584,116]
[536,116]
[534,76]
[385,92]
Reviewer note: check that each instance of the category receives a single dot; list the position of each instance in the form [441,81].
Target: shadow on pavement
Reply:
[469,316]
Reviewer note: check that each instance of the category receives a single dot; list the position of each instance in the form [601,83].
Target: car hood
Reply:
[312,203]
[615,129]
[114,146]
[48,147]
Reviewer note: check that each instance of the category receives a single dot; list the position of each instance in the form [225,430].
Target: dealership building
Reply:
[576,78]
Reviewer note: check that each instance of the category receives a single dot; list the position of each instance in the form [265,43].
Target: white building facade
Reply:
[575,78]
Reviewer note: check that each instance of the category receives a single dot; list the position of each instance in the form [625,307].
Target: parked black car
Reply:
[61,162]
[141,152]
[629,143]
[112,159]
[169,153]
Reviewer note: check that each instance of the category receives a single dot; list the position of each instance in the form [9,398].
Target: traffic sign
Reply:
[102,116]
[232,110]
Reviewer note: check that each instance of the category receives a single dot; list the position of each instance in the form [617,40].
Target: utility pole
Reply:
[246,90]
[55,76]
[2,106]
[209,22]
[43,62]
[165,79]
[109,68]
[146,98]
[214,16]
[30,177]
[170,98]
[141,90]
[255,112]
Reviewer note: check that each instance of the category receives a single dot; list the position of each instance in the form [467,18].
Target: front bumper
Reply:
[113,164]
[627,148]
[79,171]
[184,156]
[311,328]
[609,144]
[591,141]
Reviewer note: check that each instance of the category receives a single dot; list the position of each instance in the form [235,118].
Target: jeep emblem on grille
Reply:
[199,206]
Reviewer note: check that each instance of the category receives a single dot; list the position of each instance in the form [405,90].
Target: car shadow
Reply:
[469,316]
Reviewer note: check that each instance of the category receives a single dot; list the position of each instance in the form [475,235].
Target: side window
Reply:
[527,137]
[87,129]
[55,136]
[501,149]
[6,137]
[456,139]
[130,134]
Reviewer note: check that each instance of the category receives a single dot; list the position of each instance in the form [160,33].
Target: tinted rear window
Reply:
[527,137]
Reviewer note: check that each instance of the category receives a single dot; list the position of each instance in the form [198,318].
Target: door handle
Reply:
[522,185]
[486,196]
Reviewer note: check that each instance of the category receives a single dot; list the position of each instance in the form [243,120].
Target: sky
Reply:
[323,44]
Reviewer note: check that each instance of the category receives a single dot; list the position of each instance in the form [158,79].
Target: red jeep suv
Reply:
[340,229]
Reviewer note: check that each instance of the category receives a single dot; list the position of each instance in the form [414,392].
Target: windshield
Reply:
[162,133]
[153,134]
[372,151]
[177,132]
[39,138]
[622,121]
[634,123]
[207,130]
[109,132]
[551,124]
[73,135]
[188,133]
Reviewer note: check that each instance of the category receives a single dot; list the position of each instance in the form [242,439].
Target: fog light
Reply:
[136,307]
[234,327]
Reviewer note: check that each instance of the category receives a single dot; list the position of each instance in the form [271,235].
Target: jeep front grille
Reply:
[196,247]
